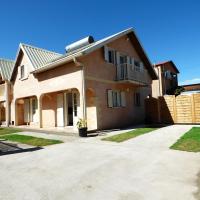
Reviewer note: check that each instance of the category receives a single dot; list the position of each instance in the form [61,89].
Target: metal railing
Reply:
[133,73]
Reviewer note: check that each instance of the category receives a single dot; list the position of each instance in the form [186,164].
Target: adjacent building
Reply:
[167,81]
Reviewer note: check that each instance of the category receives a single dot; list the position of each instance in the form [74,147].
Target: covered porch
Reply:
[58,111]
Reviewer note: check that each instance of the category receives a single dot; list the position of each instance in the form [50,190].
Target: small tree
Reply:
[178,90]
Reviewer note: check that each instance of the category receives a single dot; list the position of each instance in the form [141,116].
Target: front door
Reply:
[60,110]
[70,109]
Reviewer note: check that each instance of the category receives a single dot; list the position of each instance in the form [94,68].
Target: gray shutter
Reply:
[118,65]
[123,99]
[106,53]
[110,99]
[118,57]
[133,64]
[128,60]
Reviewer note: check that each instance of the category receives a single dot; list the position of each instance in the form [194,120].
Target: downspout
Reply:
[83,90]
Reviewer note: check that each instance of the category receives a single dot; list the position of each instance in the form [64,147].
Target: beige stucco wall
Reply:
[162,85]
[62,78]
[101,76]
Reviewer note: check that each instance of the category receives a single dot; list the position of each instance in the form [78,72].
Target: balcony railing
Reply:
[132,73]
[2,92]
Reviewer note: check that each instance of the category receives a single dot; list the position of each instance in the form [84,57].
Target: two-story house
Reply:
[167,81]
[6,69]
[103,81]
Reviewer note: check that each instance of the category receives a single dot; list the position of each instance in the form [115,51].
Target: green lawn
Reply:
[128,135]
[190,141]
[34,141]
[4,131]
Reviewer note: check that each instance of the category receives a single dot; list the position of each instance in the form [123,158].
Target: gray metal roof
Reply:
[6,68]
[43,60]
[39,57]
[85,50]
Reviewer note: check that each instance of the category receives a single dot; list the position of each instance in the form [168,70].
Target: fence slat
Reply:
[171,109]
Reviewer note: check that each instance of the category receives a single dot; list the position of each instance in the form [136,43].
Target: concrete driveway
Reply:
[143,168]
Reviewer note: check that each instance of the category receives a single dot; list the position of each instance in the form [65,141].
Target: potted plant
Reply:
[82,127]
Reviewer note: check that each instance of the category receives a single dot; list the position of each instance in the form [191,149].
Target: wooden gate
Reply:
[170,109]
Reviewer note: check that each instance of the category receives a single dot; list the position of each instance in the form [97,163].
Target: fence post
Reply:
[174,108]
[193,108]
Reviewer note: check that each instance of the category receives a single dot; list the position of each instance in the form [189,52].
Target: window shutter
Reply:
[128,60]
[118,63]
[110,99]
[117,58]
[106,53]
[123,99]
[133,64]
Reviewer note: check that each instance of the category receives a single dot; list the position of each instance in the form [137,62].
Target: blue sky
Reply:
[168,30]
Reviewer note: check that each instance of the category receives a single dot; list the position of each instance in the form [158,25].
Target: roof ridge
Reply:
[42,49]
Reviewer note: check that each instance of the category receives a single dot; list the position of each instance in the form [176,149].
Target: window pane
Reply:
[114,99]
[22,71]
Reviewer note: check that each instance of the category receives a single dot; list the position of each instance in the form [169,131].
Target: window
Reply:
[137,65]
[109,55]
[116,98]
[22,71]
[137,99]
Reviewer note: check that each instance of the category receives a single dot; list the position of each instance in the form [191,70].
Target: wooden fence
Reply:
[170,109]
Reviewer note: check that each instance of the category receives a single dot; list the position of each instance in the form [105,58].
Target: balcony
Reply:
[2,92]
[132,73]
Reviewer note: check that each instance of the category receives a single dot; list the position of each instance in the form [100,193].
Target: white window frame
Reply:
[22,67]
[116,99]
[25,75]
[107,52]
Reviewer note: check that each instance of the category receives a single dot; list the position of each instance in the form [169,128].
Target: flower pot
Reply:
[82,132]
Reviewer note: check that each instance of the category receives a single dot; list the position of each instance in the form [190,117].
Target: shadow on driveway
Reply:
[12,148]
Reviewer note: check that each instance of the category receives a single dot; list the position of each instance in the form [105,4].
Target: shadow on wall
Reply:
[158,111]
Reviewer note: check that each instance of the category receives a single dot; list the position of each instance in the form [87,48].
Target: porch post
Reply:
[83,93]
[7,103]
[39,99]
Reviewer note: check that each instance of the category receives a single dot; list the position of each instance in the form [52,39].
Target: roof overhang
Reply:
[168,62]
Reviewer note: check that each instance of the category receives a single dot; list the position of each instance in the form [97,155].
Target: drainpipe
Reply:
[83,86]
[7,103]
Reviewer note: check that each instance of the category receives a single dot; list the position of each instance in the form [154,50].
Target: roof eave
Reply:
[56,63]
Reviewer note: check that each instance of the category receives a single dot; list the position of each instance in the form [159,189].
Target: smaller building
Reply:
[167,82]
[191,89]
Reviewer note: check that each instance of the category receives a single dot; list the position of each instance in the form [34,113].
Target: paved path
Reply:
[143,168]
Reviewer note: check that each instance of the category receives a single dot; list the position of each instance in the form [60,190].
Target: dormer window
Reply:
[22,72]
